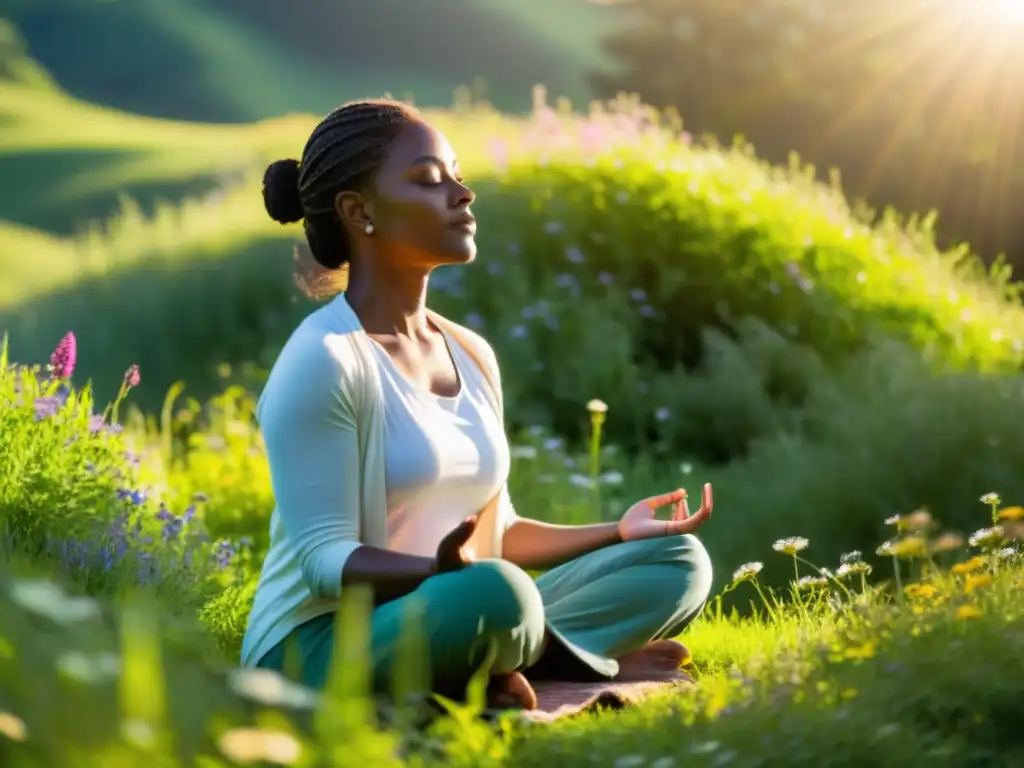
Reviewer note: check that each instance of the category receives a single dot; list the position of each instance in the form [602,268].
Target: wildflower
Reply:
[518,332]
[12,727]
[976,581]
[223,553]
[791,546]
[580,481]
[947,542]
[850,557]
[967,612]
[47,406]
[907,547]
[605,278]
[918,520]
[920,591]
[893,520]
[597,406]
[131,377]
[747,572]
[638,295]
[686,467]
[64,357]
[1006,553]
[254,745]
[611,478]
[812,582]
[527,452]
[851,569]
[553,444]
[1012,513]
[574,255]
[973,564]
[986,538]
[991,499]
[137,498]
[663,414]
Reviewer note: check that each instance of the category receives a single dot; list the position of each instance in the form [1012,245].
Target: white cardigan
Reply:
[322,418]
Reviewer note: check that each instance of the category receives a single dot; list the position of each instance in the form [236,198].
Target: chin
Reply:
[464,253]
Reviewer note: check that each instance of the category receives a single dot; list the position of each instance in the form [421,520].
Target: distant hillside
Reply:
[241,60]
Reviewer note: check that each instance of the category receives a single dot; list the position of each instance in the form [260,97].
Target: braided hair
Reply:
[342,154]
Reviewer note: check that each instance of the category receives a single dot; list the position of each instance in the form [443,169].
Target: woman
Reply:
[384,433]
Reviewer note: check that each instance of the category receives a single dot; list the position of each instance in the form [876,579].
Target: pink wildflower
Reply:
[131,377]
[62,361]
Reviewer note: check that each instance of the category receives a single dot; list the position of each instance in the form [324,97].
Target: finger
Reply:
[691,524]
[707,500]
[654,502]
[460,534]
[682,510]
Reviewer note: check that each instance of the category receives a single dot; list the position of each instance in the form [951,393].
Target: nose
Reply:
[464,196]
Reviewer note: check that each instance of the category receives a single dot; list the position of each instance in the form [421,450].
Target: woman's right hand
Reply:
[451,555]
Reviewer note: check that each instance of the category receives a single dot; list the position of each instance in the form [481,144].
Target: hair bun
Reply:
[281,191]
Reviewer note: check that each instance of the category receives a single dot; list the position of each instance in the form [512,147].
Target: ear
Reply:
[353,209]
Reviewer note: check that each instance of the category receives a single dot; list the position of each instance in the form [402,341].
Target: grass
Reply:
[102,658]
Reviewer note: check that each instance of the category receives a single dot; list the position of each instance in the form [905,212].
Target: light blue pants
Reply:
[569,623]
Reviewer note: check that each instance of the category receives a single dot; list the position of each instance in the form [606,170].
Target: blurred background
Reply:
[774,236]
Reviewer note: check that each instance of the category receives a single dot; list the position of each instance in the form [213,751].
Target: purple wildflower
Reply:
[131,377]
[223,553]
[64,357]
[47,406]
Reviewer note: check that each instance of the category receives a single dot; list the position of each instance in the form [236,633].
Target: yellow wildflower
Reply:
[977,581]
[967,612]
[922,591]
[1012,513]
[970,565]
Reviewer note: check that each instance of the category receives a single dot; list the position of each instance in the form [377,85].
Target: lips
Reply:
[466,223]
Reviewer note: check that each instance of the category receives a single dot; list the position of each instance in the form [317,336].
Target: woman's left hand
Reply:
[639,521]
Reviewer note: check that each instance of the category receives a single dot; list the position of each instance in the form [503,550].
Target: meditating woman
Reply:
[384,433]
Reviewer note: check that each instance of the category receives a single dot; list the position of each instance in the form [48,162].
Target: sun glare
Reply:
[1004,10]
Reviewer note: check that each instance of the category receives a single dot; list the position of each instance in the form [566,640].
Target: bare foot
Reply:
[512,691]
[658,661]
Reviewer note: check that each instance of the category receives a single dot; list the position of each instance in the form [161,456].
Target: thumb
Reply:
[461,533]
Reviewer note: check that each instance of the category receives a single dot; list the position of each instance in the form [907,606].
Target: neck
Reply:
[389,301]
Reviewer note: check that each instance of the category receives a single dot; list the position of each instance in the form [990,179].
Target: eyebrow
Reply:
[433,159]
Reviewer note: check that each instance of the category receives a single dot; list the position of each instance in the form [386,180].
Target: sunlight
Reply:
[1001,11]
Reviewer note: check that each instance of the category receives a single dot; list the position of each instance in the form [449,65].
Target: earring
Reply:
[369,228]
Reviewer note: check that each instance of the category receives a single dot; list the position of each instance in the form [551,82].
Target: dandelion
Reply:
[986,538]
[747,572]
[920,591]
[976,581]
[791,546]
[991,499]
[968,566]
[967,612]
[64,357]
[1012,513]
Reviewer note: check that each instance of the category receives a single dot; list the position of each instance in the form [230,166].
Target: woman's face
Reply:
[419,206]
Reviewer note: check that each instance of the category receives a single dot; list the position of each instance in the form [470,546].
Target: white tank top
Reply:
[445,457]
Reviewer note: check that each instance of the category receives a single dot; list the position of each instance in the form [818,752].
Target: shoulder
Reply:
[474,343]
[320,367]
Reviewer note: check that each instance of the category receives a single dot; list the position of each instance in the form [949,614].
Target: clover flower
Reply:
[790,546]
[131,377]
[986,538]
[747,572]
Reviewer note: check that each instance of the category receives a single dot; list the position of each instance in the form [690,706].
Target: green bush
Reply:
[610,246]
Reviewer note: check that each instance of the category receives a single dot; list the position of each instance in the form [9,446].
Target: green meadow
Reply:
[852,391]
